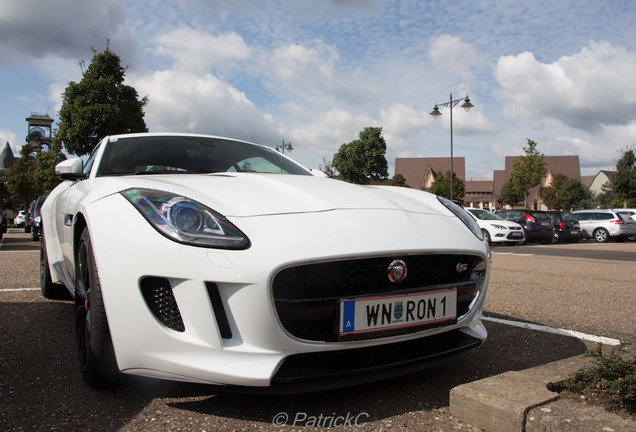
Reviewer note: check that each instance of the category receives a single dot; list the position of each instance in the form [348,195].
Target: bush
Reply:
[613,378]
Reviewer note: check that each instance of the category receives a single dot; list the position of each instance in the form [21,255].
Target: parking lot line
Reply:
[558,331]
[18,289]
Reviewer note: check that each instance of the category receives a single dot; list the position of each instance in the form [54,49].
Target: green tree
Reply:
[573,193]
[551,193]
[99,105]
[44,175]
[623,182]
[5,196]
[441,186]
[606,197]
[511,194]
[363,160]
[399,180]
[527,172]
[21,178]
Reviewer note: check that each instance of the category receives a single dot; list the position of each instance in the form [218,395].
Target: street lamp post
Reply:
[435,113]
[283,147]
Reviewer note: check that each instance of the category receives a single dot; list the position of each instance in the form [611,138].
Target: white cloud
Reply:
[329,130]
[199,51]
[183,102]
[452,55]
[591,88]
[309,75]
[33,29]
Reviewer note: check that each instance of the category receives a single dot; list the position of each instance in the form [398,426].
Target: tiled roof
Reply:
[414,169]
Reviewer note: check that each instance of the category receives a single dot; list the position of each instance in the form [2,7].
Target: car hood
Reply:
[250,194]
[505,223]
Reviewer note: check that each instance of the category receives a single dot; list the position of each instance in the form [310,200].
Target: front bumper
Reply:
[249,347]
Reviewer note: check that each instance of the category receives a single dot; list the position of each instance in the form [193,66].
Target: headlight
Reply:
[463,215]
[501,227]
[186,221]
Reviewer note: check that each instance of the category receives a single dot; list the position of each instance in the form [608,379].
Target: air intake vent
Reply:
[219,311]
[160,300]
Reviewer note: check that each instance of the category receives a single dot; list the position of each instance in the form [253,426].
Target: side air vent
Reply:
[160,300]
[219,311]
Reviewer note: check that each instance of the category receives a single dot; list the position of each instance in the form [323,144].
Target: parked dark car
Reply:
[29,217]
[536,224]
[3,223]
[566,227]
[36,220]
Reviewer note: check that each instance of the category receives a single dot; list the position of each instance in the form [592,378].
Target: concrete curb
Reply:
[521,401]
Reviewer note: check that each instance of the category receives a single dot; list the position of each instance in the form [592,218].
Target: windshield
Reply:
[190,154]
[484,215]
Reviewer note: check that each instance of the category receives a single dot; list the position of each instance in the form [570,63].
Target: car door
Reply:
[586,222]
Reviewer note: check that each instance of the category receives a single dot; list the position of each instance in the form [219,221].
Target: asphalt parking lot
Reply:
[41,388]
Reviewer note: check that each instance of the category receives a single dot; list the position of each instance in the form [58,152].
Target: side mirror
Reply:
[318,173]
[70,169]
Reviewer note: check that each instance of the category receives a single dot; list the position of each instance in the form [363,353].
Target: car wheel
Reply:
[601,235]
[487,236]
[49,289]
[556,238]
[94,343]
[631,238]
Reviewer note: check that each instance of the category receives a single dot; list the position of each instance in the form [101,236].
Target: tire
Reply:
[601,235]
[487,236]
[556,238]
[94,343]
[49,289]
[631,238]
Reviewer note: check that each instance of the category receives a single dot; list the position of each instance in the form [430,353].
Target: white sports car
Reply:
[210,260]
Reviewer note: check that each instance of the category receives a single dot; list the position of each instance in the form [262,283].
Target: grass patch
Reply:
[612,379]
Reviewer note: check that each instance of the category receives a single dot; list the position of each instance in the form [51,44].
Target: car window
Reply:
[512,215]
[585,216]
[484,215]
[603,216]
[89,162]
[540,216]
[191,154]
[568,217]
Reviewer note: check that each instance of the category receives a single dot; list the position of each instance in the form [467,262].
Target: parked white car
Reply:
[238,267]
[19,219]
[497,229]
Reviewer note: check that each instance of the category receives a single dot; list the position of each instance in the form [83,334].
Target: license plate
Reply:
[379,313]
[516,234]
[575,232]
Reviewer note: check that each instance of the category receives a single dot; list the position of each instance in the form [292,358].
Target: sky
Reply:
[314,73]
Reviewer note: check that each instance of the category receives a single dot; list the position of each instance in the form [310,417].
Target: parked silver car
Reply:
[602,225]
[627,212]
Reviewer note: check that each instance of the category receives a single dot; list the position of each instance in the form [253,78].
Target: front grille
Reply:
[306,297]
[160,300]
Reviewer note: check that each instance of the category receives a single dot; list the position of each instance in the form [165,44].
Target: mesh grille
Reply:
[306,297]
[160,300]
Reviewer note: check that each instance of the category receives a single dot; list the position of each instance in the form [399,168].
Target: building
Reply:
[599,180]
[7,158]
[420,173]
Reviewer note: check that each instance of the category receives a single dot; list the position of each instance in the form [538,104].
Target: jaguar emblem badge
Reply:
[397,271]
